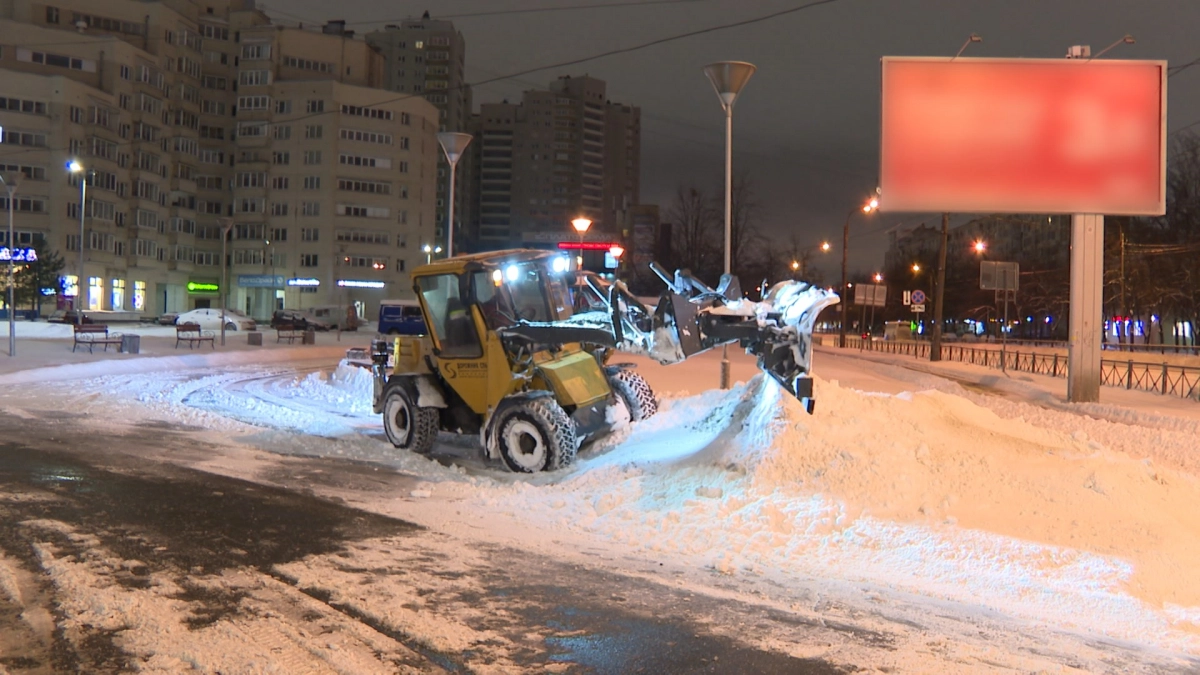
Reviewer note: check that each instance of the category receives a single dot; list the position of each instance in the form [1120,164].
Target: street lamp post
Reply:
[226,225]
[581,226]
[75,167]
[453,144]
[10,183]
[728,78]
[867,208]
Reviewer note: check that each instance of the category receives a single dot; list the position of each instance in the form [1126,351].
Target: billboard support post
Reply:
[1083,351]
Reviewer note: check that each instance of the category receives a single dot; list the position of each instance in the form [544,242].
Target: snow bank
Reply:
[925,492]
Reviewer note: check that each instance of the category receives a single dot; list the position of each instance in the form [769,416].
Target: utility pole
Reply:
[939,293]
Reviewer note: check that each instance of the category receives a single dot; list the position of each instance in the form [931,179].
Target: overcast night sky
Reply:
[806,126]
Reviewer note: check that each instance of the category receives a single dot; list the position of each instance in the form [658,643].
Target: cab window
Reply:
[451,316]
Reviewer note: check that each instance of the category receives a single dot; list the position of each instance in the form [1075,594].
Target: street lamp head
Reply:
[581,224]
[437,249]
[427,248]
[878,277]
[74,166]
[916,267]
[795,265]
[871,205]
[825,246]
[728,78]
[980,246]
[454,144]
[617,251]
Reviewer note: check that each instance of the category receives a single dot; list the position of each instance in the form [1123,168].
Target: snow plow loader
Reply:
[509,359]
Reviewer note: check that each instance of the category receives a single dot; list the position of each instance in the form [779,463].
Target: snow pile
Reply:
[926,492]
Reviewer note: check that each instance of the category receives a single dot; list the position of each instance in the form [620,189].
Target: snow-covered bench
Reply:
[192,335]
[92,334]
[289,332]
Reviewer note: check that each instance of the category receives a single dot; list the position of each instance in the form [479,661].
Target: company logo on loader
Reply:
[455,370]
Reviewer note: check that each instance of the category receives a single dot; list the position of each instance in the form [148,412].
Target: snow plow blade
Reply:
[692,318]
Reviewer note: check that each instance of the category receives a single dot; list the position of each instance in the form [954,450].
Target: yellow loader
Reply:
[506,357]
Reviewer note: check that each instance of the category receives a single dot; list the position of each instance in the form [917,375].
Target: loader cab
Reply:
[518,286]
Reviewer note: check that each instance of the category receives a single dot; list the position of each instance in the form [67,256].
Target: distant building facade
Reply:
[562,153]
[192,120]
[427,57]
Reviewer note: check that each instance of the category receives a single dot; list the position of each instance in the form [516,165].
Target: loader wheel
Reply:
[408,426]
[635,392]
[536,435]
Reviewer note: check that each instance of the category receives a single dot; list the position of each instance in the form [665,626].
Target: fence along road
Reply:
[1174,375]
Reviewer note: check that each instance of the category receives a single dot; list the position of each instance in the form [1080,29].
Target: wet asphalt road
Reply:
[176,518]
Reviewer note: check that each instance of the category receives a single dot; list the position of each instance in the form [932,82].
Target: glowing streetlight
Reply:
[617,251]
[916,267]
[429,251]
[581,226]
[878,277]
[74,166]
[866,208]
[980,246]
[825,246]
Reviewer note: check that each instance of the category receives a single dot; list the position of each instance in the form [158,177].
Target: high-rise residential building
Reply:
[426,57]
[562,153]
[191,120]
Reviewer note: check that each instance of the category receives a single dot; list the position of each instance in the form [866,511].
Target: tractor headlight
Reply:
[560,264]
[497,277]
[512,273]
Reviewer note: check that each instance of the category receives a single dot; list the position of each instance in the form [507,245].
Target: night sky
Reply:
[806,126]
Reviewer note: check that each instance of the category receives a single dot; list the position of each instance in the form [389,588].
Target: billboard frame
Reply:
[1157,210]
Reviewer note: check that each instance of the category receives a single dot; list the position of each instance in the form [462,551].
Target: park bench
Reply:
[192,335]
[289,332]
[92,334]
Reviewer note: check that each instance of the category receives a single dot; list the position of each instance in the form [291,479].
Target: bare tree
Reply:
[695,229]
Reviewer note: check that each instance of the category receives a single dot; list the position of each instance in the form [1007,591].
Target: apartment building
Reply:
[426,57]
[562,153]
[194,119]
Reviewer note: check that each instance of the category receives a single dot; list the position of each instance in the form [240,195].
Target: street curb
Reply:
[78,371]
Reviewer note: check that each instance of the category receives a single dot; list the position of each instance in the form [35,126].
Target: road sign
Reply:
[918,298]
[999,276]
[918,308]
[870,295]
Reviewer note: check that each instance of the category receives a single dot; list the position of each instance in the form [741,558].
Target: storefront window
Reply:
[118,294]
[95,293]
[139,295]
[70,286]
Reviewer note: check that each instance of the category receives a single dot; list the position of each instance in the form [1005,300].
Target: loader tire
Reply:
[535,435]
[407,425]
[635,392]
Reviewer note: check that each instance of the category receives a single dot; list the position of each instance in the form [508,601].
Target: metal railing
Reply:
[1162,378]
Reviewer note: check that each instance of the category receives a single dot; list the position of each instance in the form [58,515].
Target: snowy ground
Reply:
[951,483]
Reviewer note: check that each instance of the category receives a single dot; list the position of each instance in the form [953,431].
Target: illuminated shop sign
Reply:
[352,283]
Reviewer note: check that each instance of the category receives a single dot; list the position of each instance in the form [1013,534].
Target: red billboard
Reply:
[1023,136]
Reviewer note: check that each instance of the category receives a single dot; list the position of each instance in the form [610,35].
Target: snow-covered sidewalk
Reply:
[947,481]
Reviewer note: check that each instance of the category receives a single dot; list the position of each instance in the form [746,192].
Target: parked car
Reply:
[401,317]
[168,319]
[66,316]
[299,319]
[335,316]
[210,319]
